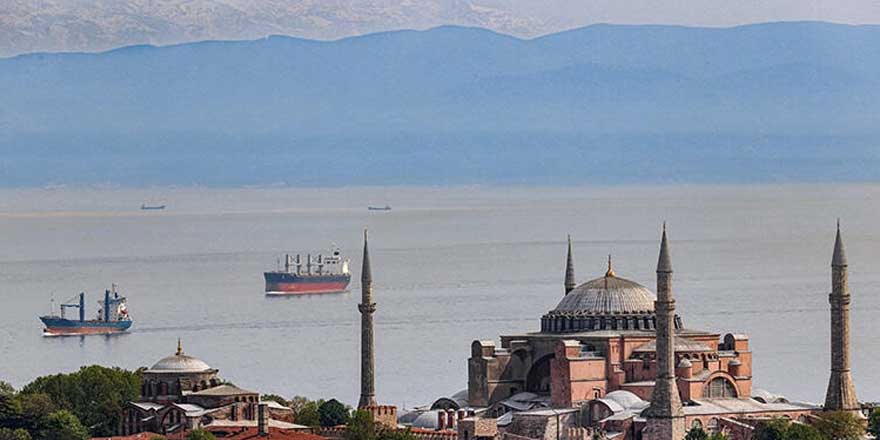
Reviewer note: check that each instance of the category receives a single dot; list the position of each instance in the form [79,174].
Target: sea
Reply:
[450,265]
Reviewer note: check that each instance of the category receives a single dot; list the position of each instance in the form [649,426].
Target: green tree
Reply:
[94,394]
[200,434]
[799,431]
[308,414]
[874,423]
[14,434]
[333,413]
[297,403]
[718,436]
[772,429]
[360,426]
[35,408]
[696,433]
[6,389]
[840,425]
[10,412]
[61,425]
[395,434]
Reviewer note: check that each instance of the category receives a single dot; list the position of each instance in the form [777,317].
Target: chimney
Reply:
[263,420]
[441,420]
[450,418]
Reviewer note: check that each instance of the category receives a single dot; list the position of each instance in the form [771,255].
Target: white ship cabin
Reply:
[334,264]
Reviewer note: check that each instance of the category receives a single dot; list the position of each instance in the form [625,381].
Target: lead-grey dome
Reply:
[607,295]
[180,363]
[606,303]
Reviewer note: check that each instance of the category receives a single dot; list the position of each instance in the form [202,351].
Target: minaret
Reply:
[841,395]
[665,418]
[367,307]
[569,270]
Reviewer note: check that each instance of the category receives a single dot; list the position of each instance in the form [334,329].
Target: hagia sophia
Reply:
[613,360]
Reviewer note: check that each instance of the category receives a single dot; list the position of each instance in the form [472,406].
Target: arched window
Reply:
[697,424]
[713,424]
[719,388]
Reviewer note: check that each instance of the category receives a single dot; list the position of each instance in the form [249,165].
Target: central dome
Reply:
[606,303]
[606,296]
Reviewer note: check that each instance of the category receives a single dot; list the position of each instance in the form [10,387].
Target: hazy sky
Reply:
[696,12]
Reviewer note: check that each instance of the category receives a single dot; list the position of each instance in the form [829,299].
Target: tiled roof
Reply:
[139,436]
[223,390]
[274,434]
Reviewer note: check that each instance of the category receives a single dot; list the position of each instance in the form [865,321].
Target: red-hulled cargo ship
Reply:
[324,274]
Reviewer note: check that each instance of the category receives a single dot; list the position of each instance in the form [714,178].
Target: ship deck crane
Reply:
[81,306]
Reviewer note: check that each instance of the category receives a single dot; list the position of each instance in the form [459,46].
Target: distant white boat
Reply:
[379,208]
[146,207]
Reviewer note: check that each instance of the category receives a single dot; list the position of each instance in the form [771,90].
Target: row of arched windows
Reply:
[578,323]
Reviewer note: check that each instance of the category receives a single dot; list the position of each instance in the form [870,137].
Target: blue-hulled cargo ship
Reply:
[112,317]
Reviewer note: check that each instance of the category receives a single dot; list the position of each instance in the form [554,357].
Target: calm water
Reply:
[450,265]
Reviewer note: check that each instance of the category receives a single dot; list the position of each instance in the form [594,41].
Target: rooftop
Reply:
[607,295]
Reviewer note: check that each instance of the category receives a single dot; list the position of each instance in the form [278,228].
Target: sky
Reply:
[696,12]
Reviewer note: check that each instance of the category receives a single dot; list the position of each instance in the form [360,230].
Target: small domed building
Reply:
[181,392]
[172,376]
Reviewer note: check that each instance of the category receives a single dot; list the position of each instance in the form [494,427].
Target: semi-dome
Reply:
[179,363]
[607,295]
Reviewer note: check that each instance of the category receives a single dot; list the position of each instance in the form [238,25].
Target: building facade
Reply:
[180,393]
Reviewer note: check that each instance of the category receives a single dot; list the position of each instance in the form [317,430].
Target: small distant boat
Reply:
[379,208]
[146,207]
[112,317]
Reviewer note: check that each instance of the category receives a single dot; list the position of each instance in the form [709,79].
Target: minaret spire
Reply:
[569,269]
[665,417]
[367,307]
[841,394]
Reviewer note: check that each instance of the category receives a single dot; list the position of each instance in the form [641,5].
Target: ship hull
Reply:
[282,283]
[56,326]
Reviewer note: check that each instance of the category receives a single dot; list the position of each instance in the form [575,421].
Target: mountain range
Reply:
[601,104]
[76,25]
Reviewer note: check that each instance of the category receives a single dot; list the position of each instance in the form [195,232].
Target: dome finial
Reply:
[610,272]
[179,347]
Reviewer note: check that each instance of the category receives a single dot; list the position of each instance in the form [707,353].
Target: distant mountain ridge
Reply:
[64,25]
[604,103]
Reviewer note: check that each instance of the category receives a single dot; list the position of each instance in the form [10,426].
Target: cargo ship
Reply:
[324,274]
[112,317]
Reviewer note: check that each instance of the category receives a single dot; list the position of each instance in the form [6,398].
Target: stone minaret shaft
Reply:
[841,395]
[665,415]
[367,307]
[569,270]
